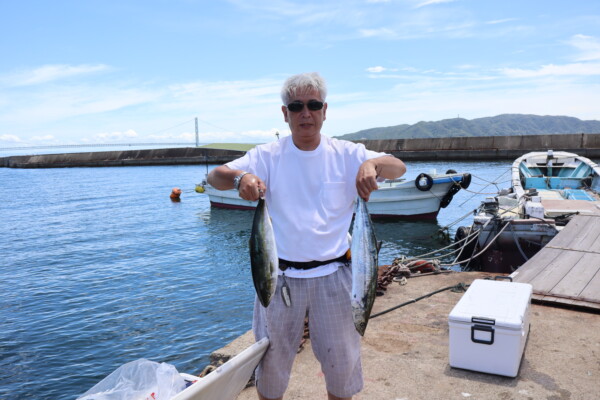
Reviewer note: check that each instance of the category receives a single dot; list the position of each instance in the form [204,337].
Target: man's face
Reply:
[305,124]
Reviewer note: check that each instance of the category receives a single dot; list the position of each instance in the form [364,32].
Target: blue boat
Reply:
[547,190]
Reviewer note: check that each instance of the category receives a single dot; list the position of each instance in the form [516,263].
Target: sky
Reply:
[129,71]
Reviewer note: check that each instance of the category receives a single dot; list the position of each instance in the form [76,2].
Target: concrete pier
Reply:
[430,149]
[405,352]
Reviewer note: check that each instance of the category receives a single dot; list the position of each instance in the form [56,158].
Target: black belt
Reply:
[285,264]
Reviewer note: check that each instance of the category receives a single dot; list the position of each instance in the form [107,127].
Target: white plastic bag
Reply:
[138,380]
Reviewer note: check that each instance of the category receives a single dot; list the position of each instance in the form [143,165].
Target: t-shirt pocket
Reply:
[333,196]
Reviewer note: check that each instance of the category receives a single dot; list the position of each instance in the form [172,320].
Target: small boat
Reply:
[547,190]
[228,380]
[421,198]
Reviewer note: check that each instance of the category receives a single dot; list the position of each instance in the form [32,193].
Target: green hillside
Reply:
[501,125]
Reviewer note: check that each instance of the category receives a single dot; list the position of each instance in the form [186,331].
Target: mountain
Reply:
[501,125]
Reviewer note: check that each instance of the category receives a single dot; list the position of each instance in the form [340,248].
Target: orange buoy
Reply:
[175,193]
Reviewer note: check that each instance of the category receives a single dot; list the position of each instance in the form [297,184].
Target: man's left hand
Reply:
[366,179]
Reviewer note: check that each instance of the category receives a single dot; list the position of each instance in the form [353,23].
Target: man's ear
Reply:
[285,115]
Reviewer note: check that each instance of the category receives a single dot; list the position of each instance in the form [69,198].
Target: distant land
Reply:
[501,125]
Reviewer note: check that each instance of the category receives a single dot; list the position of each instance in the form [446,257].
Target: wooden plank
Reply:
[572,233]
[545,272]
[573,284]
[567,270]
[556,270]
[592,289]
[535,265]
[591,241]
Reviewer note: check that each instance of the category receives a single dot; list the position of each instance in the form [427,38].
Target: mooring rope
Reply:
[458,287]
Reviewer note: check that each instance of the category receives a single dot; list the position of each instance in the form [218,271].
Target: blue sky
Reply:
[76,72]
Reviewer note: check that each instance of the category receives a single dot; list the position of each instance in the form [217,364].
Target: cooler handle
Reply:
[483,328]
[502,277]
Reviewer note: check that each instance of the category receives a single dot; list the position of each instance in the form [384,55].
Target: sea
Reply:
[98,267]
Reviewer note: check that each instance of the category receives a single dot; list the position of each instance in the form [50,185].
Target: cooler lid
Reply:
[499,303]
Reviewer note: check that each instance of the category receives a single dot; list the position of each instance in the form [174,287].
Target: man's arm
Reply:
[251,186]
[388,167]
[222,177]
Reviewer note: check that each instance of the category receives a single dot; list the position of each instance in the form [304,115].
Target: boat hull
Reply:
[395,199]
[547,189]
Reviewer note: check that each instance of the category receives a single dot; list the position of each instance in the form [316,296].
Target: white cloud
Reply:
[432,2]
[10,138]
[379,69]
[179,137]
[115,136]
[60,102]
[48,73]
[501,21]
[575,69]
[588,46]
[385,33]
[44,138]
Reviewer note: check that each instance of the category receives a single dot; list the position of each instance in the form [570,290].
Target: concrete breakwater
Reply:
[451,148]
[486,148]
[120,158]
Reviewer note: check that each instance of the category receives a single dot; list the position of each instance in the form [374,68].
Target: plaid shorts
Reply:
[335,341]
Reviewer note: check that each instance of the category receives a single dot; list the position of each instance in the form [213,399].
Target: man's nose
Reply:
[305,111]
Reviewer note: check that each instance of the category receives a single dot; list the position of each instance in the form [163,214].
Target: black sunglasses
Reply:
[297,106]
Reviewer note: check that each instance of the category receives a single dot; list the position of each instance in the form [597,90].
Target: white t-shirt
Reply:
[310,196]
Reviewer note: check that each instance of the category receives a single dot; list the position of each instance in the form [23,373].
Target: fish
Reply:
[263,254]
[364,266]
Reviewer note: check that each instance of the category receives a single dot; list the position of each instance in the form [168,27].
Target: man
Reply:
[310,182]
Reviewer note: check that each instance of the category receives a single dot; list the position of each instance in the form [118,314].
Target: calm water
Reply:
[98,268]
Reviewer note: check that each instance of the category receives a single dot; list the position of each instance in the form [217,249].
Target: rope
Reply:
[459,287]
[490,243]
[490,183]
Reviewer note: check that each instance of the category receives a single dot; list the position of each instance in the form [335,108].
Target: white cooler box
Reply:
[489,327]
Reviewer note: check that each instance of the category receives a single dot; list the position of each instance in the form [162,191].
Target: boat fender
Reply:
[422,266]
[455,188]
[466,181]
[424,182]
[199,189]
[175,193]
[445,202]
[450,171]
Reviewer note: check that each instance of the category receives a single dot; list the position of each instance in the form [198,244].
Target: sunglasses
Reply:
[297,106]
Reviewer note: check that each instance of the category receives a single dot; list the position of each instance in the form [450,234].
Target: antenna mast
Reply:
[197,143]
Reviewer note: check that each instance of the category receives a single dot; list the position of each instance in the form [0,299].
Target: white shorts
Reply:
[335,341]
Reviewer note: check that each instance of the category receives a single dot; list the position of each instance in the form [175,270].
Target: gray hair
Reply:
[302,83]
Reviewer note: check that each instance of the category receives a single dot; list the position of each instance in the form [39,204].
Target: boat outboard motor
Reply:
[549,158]
[490,205]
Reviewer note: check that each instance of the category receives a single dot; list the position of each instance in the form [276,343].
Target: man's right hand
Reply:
[252,187]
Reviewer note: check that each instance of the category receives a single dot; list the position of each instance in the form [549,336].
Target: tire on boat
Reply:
[466,181]
[450,171]
[424,182]
[467,250]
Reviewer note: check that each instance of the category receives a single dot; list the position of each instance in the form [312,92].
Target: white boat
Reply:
[420,198]
[228,380]
[547,189]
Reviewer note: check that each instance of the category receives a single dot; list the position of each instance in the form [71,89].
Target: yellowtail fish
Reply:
[263,254]
[364,266]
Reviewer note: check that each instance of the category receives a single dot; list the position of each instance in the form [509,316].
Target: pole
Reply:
[197,143]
